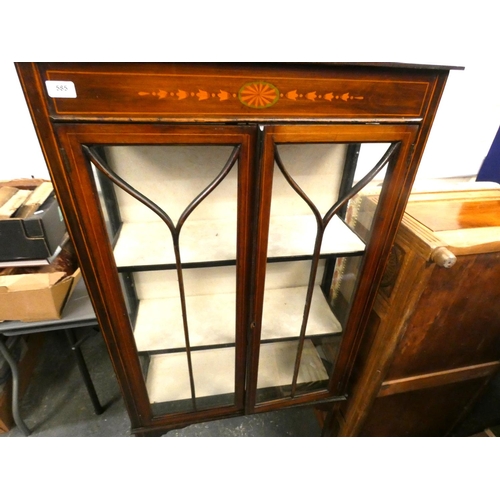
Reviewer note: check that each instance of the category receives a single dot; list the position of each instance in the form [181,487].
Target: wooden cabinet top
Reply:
[464,222]
[441,225]
[223,92]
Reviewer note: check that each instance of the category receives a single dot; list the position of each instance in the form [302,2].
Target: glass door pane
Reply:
[319,230]
[171,212]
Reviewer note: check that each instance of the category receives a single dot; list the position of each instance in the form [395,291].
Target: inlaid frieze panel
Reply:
[181,93]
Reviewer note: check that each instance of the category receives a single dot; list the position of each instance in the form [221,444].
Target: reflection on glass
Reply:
[177,213]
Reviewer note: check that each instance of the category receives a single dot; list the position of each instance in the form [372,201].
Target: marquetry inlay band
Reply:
[257,95]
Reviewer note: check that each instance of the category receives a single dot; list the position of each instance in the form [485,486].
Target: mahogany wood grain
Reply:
[201,92]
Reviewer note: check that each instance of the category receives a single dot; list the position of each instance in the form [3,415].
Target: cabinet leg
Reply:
[331,425]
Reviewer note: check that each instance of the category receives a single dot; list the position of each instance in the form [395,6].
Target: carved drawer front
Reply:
[217,93]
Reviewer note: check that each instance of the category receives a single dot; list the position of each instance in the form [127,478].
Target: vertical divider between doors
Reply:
[263,177]
[246,207]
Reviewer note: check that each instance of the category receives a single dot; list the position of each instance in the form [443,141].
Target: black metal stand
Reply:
[75,348]
[15,387]
[77,313]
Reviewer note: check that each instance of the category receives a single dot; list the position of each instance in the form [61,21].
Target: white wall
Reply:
[23,154]
[460,33]
[466,122]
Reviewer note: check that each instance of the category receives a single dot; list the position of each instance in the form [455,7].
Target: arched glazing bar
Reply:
[322,223]
[175,230]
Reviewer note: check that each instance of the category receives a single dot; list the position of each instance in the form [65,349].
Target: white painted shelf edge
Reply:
[150,243]
[211,319]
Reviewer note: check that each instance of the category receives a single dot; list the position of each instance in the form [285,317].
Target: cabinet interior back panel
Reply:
[172,177]
[295,235]
[150,243]
[316,168]
[222,279]
[200,281]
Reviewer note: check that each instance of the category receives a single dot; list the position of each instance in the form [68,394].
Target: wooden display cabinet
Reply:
[207,204]
[433,340]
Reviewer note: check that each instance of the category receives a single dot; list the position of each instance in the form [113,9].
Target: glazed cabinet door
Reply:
[316,259]
[173,205]
[238,262]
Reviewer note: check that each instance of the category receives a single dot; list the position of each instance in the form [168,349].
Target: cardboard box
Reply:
[31,224]
[35,297]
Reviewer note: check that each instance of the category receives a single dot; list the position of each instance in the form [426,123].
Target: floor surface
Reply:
[56,403]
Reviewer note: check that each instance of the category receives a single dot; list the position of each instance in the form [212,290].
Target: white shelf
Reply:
[168,376]
[211,319]
[277,362]
[289,303]
[150,243]
[291,236]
